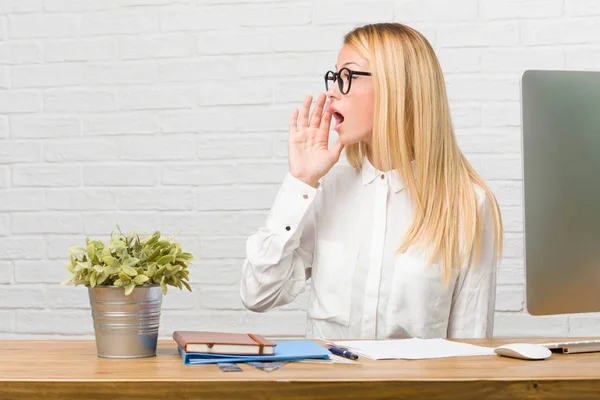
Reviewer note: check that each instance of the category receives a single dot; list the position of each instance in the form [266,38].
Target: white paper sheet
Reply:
[413,349]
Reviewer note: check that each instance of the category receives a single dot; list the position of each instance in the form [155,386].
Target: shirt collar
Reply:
[370,173]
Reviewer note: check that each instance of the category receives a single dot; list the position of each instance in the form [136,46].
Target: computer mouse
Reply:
[525,351]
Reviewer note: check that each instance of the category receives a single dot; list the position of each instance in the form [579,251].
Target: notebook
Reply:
[285,350]
[223,343]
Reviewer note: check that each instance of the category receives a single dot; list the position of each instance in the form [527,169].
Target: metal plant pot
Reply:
[126,326]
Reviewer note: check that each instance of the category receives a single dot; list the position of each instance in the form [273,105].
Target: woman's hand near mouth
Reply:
[308,153]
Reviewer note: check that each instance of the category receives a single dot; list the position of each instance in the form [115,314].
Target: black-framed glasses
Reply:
[343,77]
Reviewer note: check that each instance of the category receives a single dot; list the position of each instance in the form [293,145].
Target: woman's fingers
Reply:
[305,111]
[294,122]
[315,119]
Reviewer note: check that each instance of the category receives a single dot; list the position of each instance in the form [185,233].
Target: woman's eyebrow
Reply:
[346,63]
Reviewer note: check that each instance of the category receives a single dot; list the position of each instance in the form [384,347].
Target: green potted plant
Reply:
[126,280]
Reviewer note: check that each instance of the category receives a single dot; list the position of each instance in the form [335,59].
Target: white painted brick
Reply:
[581,8]
[276,15]
[127,3]
[156,46]
[494,166]
[509,298]
[233,43]
[22,296]
[584,31]
[79,100]
[57,297]
[4,128]
[68,322]
[4,84]
[224,247]
[128,72]
[465,117]
[525,325]
[6,272]
[189,244]
[205,120]
[43,26]
[269,324]
[156,199]
[156,98]
[18,151]
[19,101]
[7,321]
[512,218]
[104,223]
[117,175]
[209,272]
[301,40]
[221,299]
[158,148]
[583,58]
[79,150]
[246,92]
[459,60]
[4,224]
[503,60]
[478,34]
[39,222]
[183,299]
[46,175]
[100,49]
[331,12]
[22,248]
[508,193]
[123,123]
[582,325]
[262,118]
[21,200]
[481,140]
[513,245]
[77,5]
[280,145]
[198,19]
[38,271]
[31,127]
[4,176]
[262,172]
[477,88]
[58,246]
[511,272]
[436,10]
[236,198]
[502,114]
[230,146]
[55,75]
[198,70]
[81,199]
[21,6]
[20,53]
[209,223]
[186,175]
[295,90]
[120,22]
[284,64]
[3,28]
[525,9]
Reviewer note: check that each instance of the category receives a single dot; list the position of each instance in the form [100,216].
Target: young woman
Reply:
[405,240]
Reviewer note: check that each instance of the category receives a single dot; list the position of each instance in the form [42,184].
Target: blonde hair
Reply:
[412,122]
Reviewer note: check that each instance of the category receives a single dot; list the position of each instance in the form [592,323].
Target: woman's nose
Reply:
[333,91]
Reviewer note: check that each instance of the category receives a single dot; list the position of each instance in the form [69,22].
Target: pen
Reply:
[343,353]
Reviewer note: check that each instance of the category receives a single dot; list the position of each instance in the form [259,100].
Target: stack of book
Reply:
[198,347]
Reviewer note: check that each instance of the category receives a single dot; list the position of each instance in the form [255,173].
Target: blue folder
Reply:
[286,350]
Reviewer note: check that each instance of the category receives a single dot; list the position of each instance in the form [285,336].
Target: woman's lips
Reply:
[339,119]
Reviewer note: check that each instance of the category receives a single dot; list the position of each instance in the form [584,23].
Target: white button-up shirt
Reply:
[341,239]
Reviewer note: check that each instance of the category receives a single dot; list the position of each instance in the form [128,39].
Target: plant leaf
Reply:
[129,288]
[128,270]
[163,286]
[140,279]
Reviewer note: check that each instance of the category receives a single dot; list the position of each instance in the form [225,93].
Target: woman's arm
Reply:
[279,255]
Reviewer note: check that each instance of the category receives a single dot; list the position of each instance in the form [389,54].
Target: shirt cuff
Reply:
[291,205]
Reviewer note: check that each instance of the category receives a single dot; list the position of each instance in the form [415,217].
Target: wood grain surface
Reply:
[72,370]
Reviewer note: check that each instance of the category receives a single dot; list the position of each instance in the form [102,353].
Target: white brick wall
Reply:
[172,114]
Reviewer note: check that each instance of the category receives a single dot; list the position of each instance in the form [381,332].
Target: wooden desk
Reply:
[71,370]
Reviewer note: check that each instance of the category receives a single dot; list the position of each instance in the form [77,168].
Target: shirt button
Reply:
[287,228]
[382,176]
[305,197]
